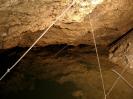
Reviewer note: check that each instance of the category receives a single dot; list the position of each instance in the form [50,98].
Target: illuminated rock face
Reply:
[80,10]
[22,21]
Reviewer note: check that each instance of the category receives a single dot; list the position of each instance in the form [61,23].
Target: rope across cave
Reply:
[62,14]
[95,44]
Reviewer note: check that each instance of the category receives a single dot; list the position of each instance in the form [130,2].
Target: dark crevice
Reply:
[119,39]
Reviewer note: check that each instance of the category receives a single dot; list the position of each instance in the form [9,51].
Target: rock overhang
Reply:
[23,21]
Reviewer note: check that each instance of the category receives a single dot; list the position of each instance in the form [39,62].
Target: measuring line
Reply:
[98,59]
[127,82]
[9,69]
[60,50]
[117,79]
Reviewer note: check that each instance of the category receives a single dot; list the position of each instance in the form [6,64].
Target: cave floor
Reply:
[72,74]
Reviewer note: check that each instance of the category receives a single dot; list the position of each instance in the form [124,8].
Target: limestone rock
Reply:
[22,21]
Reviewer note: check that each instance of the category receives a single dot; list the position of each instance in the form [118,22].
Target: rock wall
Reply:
[122,52]
[22,21]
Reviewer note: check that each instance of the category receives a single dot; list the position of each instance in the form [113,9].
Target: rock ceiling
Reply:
[22,21]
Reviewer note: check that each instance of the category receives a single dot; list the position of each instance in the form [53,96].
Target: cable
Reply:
[60,50]
[117,79]
[130,85]
[98,59]
[9,69]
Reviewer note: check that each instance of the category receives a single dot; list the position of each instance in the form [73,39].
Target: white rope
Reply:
[127,82]
[98,59]
[60,50]
[117,79]
[9,69]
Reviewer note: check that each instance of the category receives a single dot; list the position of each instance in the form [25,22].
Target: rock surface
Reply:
[122,52]
[22,21]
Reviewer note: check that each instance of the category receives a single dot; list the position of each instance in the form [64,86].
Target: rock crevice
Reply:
[122,52]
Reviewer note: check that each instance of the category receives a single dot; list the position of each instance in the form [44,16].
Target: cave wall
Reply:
[121,53]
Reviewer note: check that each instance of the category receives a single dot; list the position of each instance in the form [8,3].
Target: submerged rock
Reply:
[72,74]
